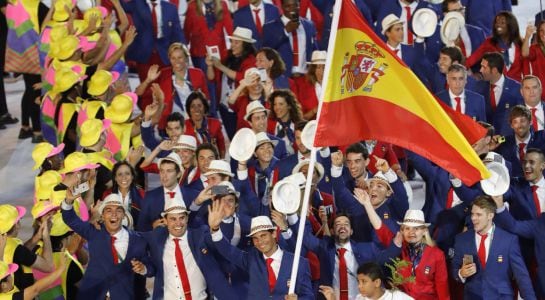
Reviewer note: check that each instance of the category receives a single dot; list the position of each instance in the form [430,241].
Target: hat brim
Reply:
[413,224]
[88,166]
[248,115]
[219,172]
[263,228]
[317,165]
[273,142]
[390,25]
[46,210]
[110,203]
[21,211]
[239,38]
[56,150]
[382,181]
[12,268]
[316,62]
[175,211]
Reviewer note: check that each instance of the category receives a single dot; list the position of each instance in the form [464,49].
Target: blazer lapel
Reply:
[284,272]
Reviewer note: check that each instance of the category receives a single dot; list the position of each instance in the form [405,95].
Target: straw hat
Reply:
[260,223]
[318,166]
[308,133]
[453,22]
[254,107]
[111,200]
[389,21]
[219,167]
[286,196]
[100,81]
[77,161]
[424,22]
[120,109]
[91,130]
[188,142]
[414,218]
[7,269]
[45,184]
[44,150]
[242,34]
[242,145]
[9,216]
[174,207]
[318,58]
[173,157]
[41,208]
[381,178]
[498,182]
[263,138]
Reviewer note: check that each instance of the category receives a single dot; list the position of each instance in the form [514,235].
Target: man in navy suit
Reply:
[470,38]
[531,93]
[254,16]
[486,257]
[155,201]
[268,266]
[179,253]
[111,248]
[158,26]
[404,10]
[515,147]
[460,99]
[437,73]
[297,45]
[500,93]
[530,229]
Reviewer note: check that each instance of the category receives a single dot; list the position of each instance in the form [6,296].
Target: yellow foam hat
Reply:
[98,11]
[60,14]
[91,130]
[59,227]
[45,184]
[77,161]
[41,208]
[65,78]
[57,33]
[7,269]
[9,216]
[100,81]
[43,151]
[120,109]
[65,47]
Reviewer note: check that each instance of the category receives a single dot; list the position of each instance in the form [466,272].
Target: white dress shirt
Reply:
[487,242]
[183,92]
[403,18]
[301,66]
[389,295]
[159,15]
[261,12]
[173,288]
[396,50]
[277,260]
[352,266]
[453,102]
[121,243]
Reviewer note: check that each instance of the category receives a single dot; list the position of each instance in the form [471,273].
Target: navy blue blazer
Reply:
[503,263]
[244,17]
[482,13]
[510,97]
[154,204]
[141,17]
[276,38]
[437,81]
[326,8]
[530,229]
[474,104]
[434,44]
[509,150]
[101,274]
[202,249]
[254,263]
[148,137]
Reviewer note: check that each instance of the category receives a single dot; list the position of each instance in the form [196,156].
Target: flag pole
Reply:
[313,152]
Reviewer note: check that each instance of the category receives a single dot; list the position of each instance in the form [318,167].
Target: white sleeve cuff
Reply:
[194,207]
[217,236]
[292,219]
[501,209]
[325,152]
[287,234]
[460,276]
[66,206]
[390,175]
[146,124]
[242,175]
[336,171]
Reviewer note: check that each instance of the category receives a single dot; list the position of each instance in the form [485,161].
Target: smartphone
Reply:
[468,259]
[81,188]
[263,75]
[220,190]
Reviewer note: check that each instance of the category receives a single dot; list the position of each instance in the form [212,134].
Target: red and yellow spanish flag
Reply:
[370,93]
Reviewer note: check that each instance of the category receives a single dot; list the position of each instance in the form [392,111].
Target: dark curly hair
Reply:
[296,115]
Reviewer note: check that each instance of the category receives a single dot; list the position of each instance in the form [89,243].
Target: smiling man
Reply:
[111,248]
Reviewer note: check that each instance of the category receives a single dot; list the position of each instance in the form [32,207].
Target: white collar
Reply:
[540,183]
[452,96]
[276,256]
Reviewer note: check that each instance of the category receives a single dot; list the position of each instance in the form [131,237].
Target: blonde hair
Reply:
[426,239]
[178,46]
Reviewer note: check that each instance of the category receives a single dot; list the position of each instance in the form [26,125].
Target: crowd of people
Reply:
[225,92]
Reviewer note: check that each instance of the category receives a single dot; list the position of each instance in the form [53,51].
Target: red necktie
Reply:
[536,199]
[521,151]
[295,48]
[171,194]
[258,25]
[534,118]
[343,275]
[154,19]
[184,176]
[114,252]
[458,104]
[181,269]
[272,277]
[409,33]
[450,198]
[482,250]
[492,97]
